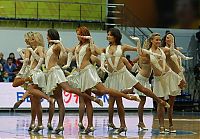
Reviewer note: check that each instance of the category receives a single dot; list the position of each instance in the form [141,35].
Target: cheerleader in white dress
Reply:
[88,77]
[118,75]
[23,74]
[37,80]
[144,73]
[55,76]
[165,80]
[173,59]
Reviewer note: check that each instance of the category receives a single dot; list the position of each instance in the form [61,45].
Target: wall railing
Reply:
[53,10]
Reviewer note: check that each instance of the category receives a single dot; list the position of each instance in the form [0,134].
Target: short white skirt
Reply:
[88,78]
[144,81]
[25,74]
[38,78]
[167,84]
[174,80]
[161,86]
[54,76]
[73,79]
[120,80]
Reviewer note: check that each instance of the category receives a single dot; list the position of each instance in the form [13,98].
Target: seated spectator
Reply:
[1,72]
[12,56]
[19,62]
[9,69]
[2,61]
[6,77]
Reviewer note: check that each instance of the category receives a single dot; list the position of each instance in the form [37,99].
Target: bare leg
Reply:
[170,110]
[26,94]
[121,112]
[149,93]
[81,112]
[33,114]
[18,103]
[140,111]
[38,93]
[77,91]
[38,107]
[103,90]
[182,84]
[89,110]
[52,109]
[59,98]
[38,110]
[161,112]
[51,113]
[111,112]
[20,81]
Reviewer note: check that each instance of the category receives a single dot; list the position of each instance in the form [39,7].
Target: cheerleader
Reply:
[37,80]
[118,75]
[173,59]
[164,78]
[88,77]
[55,75]
[144,73]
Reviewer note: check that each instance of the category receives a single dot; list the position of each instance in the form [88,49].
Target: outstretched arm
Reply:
[177,52]
[126,63]
[143,51]
[128,48]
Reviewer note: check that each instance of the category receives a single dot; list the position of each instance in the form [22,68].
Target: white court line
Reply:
[188,120]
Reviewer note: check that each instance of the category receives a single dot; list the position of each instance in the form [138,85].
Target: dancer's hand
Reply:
[103,69]
[188,58]
[19,50]
[65,67]
[30,49]
[179,48]
[86,37]
[135,38]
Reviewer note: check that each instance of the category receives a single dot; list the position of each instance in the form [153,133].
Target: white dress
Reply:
[38,77]
[54,76]
[168,82]
[87,77]
[118,79]
[144,81]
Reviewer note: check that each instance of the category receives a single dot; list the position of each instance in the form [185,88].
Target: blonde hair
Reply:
[151,37]
[28,35]
[39,38]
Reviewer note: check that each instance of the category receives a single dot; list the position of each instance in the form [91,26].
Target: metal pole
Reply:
[15,10]
[80,14]
[37,11]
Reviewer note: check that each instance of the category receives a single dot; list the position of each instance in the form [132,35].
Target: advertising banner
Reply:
[9,95]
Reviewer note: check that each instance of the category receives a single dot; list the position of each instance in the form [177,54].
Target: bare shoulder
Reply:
[57,48]
[165,49]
